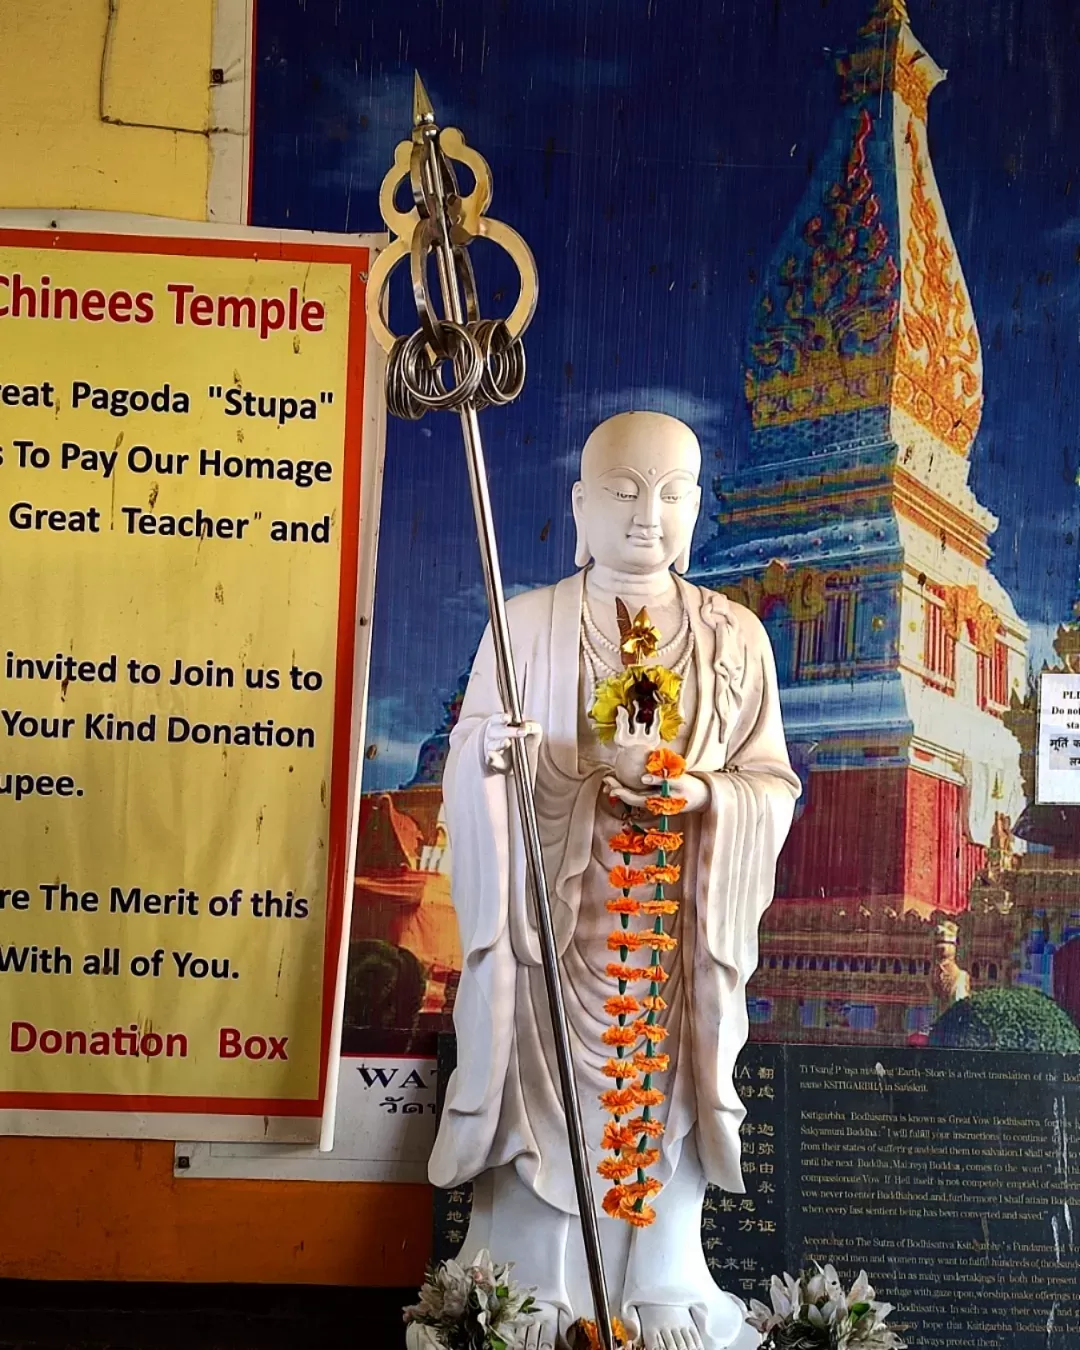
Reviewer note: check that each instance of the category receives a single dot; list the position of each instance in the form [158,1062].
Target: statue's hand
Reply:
[635,736]
[499,731]
[633,744]
[689,787]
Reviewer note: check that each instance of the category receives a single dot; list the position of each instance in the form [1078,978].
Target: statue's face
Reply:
[638,499]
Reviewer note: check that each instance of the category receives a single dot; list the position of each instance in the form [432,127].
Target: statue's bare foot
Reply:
[666,1327]
[543,1333]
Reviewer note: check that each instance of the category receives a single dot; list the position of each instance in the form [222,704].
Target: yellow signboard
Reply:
[180,468]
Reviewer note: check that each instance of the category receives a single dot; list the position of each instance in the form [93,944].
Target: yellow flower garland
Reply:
[615,693]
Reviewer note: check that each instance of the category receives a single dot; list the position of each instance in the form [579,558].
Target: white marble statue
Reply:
[503,1125]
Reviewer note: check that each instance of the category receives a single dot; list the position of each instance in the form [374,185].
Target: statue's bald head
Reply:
[638,497]
[651,442]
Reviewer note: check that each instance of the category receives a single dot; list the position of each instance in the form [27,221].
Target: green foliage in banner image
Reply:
[385,985]
[1007,1019]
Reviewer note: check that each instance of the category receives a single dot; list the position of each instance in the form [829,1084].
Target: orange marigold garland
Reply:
[647,1097]
[618,1137]
[622,1003]
[625,904]
[631,1149]
[626,878]
[620,1068]
[616,1168]
[651,1063]
[654,840]
[664,806]
[624,973]
[622,941]
[620,1036]
[632,843]
[619,1101]
[583,1335]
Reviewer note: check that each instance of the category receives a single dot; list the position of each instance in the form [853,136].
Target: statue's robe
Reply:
[503,1104]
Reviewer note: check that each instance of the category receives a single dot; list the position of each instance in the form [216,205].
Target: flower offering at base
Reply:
[469,1307]
[814,1313]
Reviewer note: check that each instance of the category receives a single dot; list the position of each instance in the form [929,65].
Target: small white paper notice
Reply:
[1057,780]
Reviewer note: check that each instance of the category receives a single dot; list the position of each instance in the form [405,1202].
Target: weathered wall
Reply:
[66,65]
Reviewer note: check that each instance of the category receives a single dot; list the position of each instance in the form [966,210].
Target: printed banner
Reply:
[180,515]
[385,1131]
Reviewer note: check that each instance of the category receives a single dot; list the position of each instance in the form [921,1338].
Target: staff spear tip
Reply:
[421,103]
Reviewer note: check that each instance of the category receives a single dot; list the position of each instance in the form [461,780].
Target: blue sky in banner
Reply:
[651,154]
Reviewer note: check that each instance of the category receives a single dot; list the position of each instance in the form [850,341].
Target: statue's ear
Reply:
[581,547]
[682,562]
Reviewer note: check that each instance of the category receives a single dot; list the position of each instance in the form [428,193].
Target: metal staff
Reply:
[465,363]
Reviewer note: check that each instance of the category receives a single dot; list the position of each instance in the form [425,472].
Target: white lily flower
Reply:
[482,1273]
[763,1319]
[420,1337]
[781,1302]
[861,1290]
[453,1272]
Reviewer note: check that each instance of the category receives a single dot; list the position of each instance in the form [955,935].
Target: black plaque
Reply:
[450,1213]
[743,1234]
[952,1178]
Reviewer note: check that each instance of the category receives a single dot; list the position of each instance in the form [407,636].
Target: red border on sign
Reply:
[357,258]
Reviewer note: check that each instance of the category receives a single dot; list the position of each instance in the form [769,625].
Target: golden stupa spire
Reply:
[885,15]
[891,10]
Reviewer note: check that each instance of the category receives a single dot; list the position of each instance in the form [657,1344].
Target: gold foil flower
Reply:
[640,638]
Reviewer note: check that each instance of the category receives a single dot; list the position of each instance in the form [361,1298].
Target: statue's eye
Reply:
[623,491]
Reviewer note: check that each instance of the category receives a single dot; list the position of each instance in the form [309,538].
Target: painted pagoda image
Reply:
[919,871]
[1030,909]
[405,954]
[851,529]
